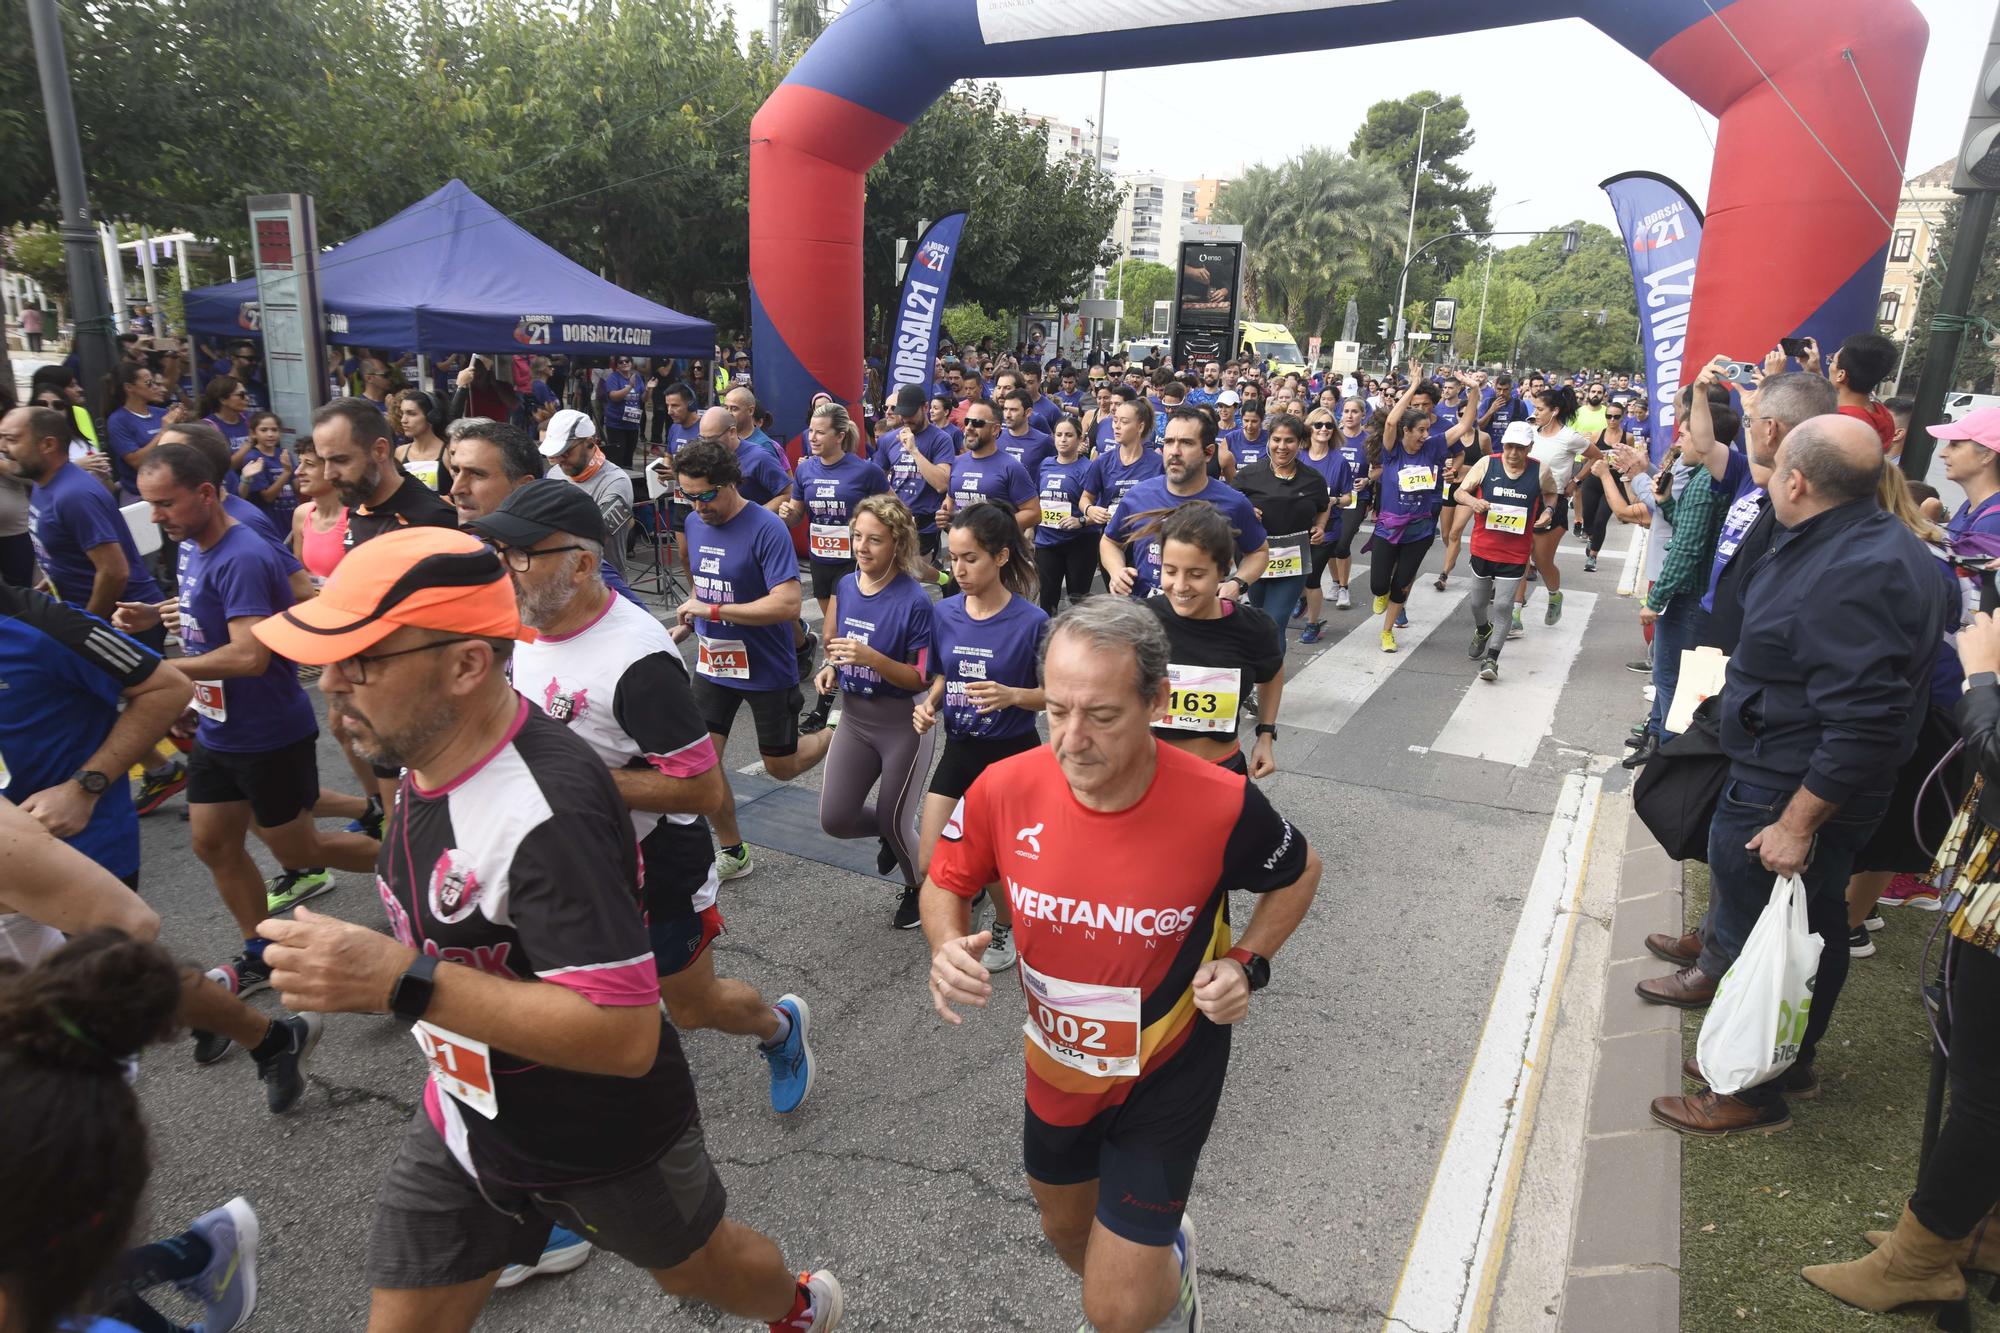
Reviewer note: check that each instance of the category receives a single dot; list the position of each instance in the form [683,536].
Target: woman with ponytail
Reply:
[1559,448]
[831,484]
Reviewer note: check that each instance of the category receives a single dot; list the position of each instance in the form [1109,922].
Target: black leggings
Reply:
[17,560]
[1392,569]
[1072,564]
[620,442]
[1596,508]
[1350,524]
[1961,1181]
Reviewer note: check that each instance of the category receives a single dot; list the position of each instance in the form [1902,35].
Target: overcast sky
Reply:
[1630,118]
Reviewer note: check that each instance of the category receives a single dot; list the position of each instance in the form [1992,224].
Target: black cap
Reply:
[910,401]
[539,510]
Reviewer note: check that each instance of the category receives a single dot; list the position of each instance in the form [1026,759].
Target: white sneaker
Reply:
[1343,602]
[563,1252]
[1000,955]
[824,1316]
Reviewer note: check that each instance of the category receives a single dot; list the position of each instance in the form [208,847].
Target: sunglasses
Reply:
[978,423]
[698,497]
[1322,425]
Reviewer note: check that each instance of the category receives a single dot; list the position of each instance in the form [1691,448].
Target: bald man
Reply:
[765,481]
[742,405]
[1825,694]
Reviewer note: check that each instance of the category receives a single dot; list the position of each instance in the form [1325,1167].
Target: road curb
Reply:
[1625,1252]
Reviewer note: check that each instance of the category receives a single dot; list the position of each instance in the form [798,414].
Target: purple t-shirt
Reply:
[1355,450]
[1410,494]
[1107,478]
[1001,649]
[933,446]
[1028,449]
[831,491]
[1101,434]
[896,622]
[996,477]
[764,477]
[238,435]
[1746,501]
[1062,493]
[241,575]
[69,514]
[1248,451]
[261,523]
[1981,523]
[273,464]
[626,413]
[126,433]
[1339,479]
[1151,495]
[741,561]
[1043,414]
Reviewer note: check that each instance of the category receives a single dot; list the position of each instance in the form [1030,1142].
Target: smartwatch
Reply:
[1255,966]
[412,993]
[93,782]
[1268,729]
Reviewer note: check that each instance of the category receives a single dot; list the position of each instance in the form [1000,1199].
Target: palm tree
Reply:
[1310,226]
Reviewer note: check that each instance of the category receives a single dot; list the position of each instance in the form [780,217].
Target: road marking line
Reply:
[1335,684]
[1505,721]
[1453,1263]
[1635,561]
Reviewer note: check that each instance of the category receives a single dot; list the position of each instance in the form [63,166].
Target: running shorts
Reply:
[679,940]
[827,574]
[435,1226]
[279,784]
[776,713]
[966,757]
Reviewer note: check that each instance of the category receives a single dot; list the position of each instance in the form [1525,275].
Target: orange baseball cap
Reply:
[423,578]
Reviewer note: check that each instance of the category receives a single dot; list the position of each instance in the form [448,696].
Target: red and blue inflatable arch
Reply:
[1791,246]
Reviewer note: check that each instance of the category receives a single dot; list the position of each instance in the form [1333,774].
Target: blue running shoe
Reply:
[792,1059]
[564,1252]
[1313,631]
[227,1288]
[1402,620]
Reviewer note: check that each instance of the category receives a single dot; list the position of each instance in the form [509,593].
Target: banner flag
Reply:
[920,313]
[1662,231]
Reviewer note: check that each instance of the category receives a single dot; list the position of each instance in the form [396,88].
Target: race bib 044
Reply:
[723,659]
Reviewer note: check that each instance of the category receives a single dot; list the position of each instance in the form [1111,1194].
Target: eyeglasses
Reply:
[356,668]
[519,558]
[698,497]
[978,423]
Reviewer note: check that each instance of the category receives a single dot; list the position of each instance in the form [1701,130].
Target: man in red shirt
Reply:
[1861,364]
[1117,853]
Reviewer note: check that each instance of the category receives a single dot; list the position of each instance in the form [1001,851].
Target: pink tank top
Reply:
[320,551]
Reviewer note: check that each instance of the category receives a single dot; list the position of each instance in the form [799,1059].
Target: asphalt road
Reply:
[902,1173]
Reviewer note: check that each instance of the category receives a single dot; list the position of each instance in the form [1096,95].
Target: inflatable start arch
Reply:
[1796,234]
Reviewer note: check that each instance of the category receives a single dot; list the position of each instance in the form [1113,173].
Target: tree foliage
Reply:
[1978,360]
[1447,200]
[1139,283]
[1548,303]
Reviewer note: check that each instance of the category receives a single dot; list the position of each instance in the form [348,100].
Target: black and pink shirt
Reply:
[526,867]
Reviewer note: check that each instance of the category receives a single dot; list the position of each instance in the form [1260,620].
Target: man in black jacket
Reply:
[1842,619]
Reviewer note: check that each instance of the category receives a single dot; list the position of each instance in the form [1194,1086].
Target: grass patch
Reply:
[1757,1208]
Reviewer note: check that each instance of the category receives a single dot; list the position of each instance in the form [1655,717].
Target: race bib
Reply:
[1092,1029]
[208,700]
[1054,512]
[424,470]
[1287,559]
[1203,698]
[831,541]
[1352,500]
[723,659]
[1415,479]
[1507,518]
[461,1067]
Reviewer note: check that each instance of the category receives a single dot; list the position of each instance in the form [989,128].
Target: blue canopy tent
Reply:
[451,273]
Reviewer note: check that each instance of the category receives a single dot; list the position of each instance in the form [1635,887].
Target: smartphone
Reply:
[1793,347]
[1742,372]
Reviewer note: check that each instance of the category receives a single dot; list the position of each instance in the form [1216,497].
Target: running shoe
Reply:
[805,652]
[370,822]
[1403,619]
[1000,955]
[1489,670]
[1589,562]
[791,1060]
[1313,632]
[284,1074]
[227,1287]
[1860,944]
[159,788]
[1555,611]
[1874,921]
[1388,641]
[907,913]
[210,1046]
[732,865]
[1186,1313]
[1344,602]
[563,1252]
[885,856]
[1439,584]
[1909,891]
[816,716]
[1381,603]
[1639,667]
[1299,610]
[1480,638]
[246,974]
[822,1312]
[1514,630]
[296,886]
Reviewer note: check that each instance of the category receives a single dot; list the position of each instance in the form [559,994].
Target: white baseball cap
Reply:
[1518,432]
[1229,396]
[565,428]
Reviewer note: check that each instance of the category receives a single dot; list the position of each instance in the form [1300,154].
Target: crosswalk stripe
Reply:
[1505,721]
[1334,685]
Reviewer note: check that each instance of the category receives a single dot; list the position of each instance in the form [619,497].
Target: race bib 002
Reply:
[723,659]
[462,1067]
[1092,1029]
[1203,698]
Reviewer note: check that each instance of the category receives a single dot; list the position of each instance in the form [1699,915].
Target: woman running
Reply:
[878,651]
[987,683]
[266,471]
[1468,444]
[1332,463]
[831,482]
[1601,492]
[1217,648]
[1065,546]
[1292,502]
[319,524]
[225,405]
[1407,524]
[1558,448]
[424,456]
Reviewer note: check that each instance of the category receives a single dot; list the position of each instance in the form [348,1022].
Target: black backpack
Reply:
[1676,791]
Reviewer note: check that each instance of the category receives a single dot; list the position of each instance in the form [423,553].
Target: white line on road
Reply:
[1505,721]
[1448,1278]
[1335,684]
[1635,560]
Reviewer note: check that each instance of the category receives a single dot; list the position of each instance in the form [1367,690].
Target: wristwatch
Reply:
[412,992]
[1268,729]
[1255,966]
[715,613]
[93,782]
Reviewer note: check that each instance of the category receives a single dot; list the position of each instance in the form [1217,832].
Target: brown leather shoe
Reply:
[1685,989]
[1711,1115]
[1800,1083]
[1680,950]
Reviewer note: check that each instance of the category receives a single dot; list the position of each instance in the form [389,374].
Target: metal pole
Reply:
[114,277]
[777,20]
[152,287]
[1409,236]
[94,343]
[1975,219]
[1484,283]
[1103,86]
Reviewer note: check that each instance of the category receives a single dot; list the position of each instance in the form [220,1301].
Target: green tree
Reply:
[37,252]
[1977,359]
[1309,227]
[1139,283]
[1447,200]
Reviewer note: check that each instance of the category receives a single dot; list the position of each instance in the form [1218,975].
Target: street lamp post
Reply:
[1479,337]
[1410,233]
[89,310]
[1570,240]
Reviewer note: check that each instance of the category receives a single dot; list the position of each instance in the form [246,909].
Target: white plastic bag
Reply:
[1754,1027]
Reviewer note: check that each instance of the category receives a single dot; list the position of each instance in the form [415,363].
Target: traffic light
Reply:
[1382,328]
[1979,162]
[1571,239]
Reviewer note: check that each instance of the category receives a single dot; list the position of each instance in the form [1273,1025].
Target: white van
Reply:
[1957,404]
